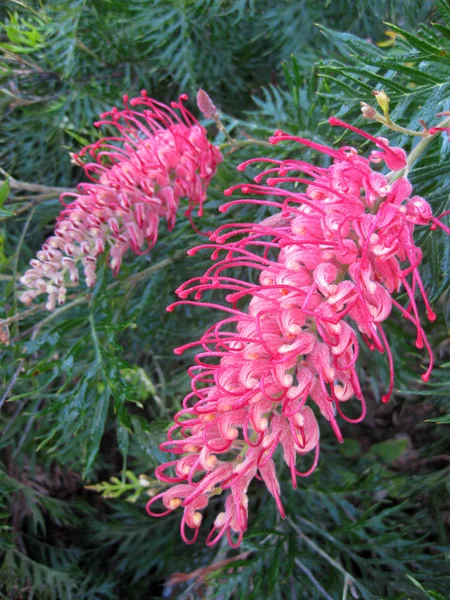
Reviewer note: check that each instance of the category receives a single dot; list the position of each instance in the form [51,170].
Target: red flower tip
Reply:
[425,377]
[192,252]
[227,192]
[276,137]
[434,130]
[431,315]
[385,399]
[241,167]
[178,351]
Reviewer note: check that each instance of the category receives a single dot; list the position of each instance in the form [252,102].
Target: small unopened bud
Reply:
[368,112]
[383,101]
[205,105]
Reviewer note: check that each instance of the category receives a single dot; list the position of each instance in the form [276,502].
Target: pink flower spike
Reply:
[328,262]
[139,176]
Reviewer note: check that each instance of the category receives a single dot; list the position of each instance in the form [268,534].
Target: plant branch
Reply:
[15,184]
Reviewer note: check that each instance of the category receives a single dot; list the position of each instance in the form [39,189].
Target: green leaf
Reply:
[5,213]
[123,440]
[4,192]
[444,30]
[97,428]
[350,447]
[437,595]
[428,593]
[445,419]
[389,450]
[418,42]
[444,8]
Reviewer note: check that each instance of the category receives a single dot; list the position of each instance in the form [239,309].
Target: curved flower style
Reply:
[329,262]
[139,175]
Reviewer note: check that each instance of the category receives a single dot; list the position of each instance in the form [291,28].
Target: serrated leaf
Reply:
[419,43]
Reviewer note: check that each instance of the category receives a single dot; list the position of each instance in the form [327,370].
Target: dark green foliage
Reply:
[91,387]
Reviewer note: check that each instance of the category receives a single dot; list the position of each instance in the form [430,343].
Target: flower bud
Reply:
[368,112]
[383,101]
[205,104]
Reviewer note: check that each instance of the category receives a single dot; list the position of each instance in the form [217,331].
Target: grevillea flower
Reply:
[329,264]
[139,175]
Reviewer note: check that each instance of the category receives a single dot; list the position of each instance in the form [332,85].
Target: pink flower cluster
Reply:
[139,175]
[330,261]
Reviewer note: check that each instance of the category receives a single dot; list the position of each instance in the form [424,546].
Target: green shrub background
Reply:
[88,391]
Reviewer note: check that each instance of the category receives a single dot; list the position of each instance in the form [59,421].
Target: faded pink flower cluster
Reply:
[139,175]
[329,261]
